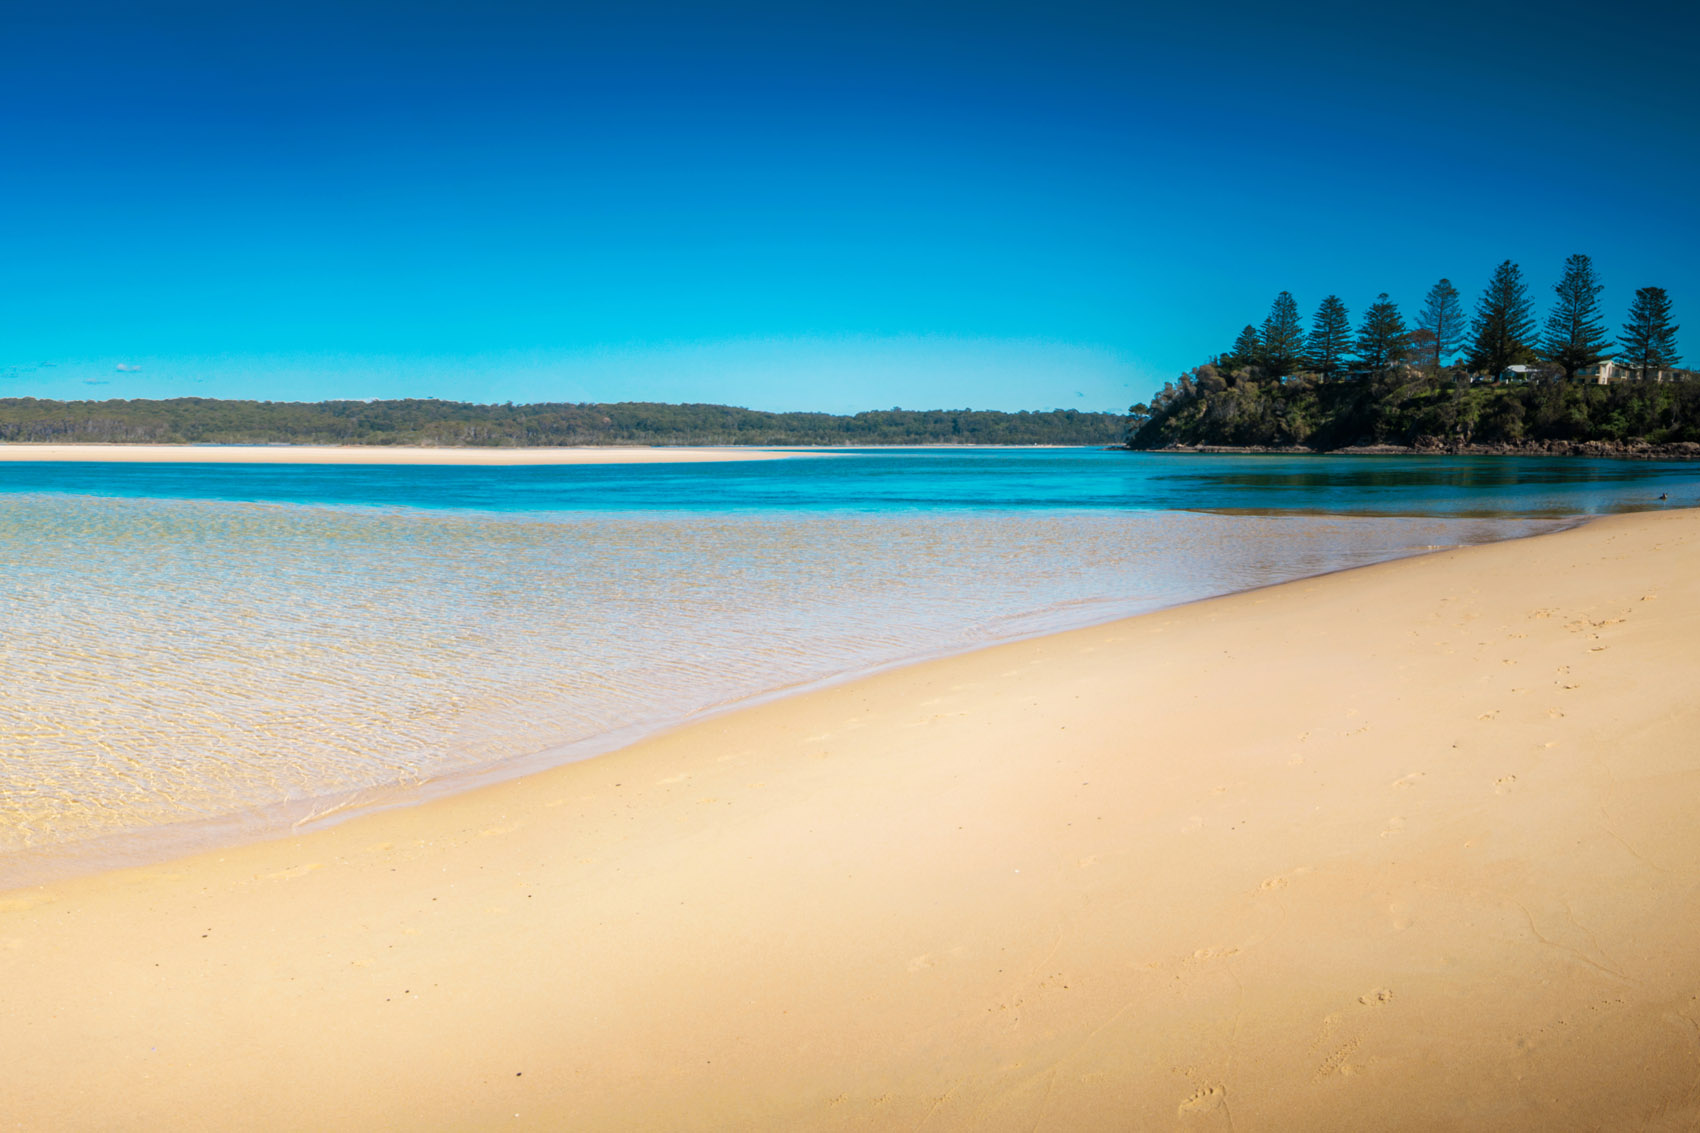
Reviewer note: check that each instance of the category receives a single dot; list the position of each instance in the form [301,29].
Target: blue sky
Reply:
[798,206]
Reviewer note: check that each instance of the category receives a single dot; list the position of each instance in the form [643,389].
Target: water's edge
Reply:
[156,845]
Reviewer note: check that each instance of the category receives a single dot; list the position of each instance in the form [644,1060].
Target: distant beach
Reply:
[375,454]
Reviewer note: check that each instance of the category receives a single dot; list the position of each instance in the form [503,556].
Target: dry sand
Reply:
[1410,847]
[376,454]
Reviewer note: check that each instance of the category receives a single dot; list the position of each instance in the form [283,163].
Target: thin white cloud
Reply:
[127,368]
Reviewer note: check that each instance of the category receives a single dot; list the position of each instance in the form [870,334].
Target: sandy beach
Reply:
[376,454]
[1407,847]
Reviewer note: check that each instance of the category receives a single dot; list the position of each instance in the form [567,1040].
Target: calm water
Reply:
[192,652]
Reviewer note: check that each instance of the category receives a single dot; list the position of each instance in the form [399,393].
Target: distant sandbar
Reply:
[376,454]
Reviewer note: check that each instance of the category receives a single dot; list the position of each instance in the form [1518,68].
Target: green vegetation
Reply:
[195,420]
[1649,339]
[1576,335]
[1503,332]
[1390,385]
[1411,409]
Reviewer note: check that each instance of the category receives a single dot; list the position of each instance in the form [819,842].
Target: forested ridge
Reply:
[1416,410]
[1493,381]
[194,420]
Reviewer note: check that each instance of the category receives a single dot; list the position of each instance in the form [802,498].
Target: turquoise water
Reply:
[191,653]
[886,480]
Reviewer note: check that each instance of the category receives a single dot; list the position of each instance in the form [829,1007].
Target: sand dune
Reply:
[1410,847]
[376,454]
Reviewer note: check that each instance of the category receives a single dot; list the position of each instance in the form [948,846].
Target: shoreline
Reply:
[151,846]
[1405,839]
[377,454]
[1597,450]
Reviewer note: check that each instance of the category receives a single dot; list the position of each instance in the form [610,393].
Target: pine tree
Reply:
[1503,330]
[1382,338]
[1282,339]
[1649,339]
[1443,319]
[1330,337]
[1248,350]
[1575,333]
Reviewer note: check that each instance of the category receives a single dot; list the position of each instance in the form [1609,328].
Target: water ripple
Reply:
[182,660]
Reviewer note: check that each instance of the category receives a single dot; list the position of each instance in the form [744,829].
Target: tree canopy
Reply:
[1442,321]
[1330,337]
[1247,350]
[1649,338]
[1382,338]
[1282,340]
[1575,331]
[1502,333]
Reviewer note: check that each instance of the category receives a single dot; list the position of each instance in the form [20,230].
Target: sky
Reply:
[799,206]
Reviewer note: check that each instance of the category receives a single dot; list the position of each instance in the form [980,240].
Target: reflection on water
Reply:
[182,660]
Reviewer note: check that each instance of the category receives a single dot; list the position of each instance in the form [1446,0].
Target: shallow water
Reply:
[190,652]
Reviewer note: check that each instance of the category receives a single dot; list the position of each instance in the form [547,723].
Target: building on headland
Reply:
[1521,373]
[1602,373]
[1608,371]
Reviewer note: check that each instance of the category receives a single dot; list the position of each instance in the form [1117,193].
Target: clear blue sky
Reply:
[798,206]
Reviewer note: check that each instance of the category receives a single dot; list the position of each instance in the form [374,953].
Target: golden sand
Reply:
[1409,847]
[376,454]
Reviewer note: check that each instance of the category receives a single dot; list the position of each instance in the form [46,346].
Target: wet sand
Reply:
[376,454]
[1407,847]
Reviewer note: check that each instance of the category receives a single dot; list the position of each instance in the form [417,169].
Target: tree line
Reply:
[195,420]
[1502,332]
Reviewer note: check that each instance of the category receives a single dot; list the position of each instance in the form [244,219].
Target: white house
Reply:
[1520,373]
[1604,373]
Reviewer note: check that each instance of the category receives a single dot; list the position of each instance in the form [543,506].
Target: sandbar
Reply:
[1407,847]
[379,454]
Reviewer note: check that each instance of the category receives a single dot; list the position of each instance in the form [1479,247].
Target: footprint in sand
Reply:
[1503,784]
[1338,1062]
[1409,780]
[1274,883]
[1376,998]
[1202,1101]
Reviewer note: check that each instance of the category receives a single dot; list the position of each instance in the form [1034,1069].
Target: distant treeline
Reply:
[195,420]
